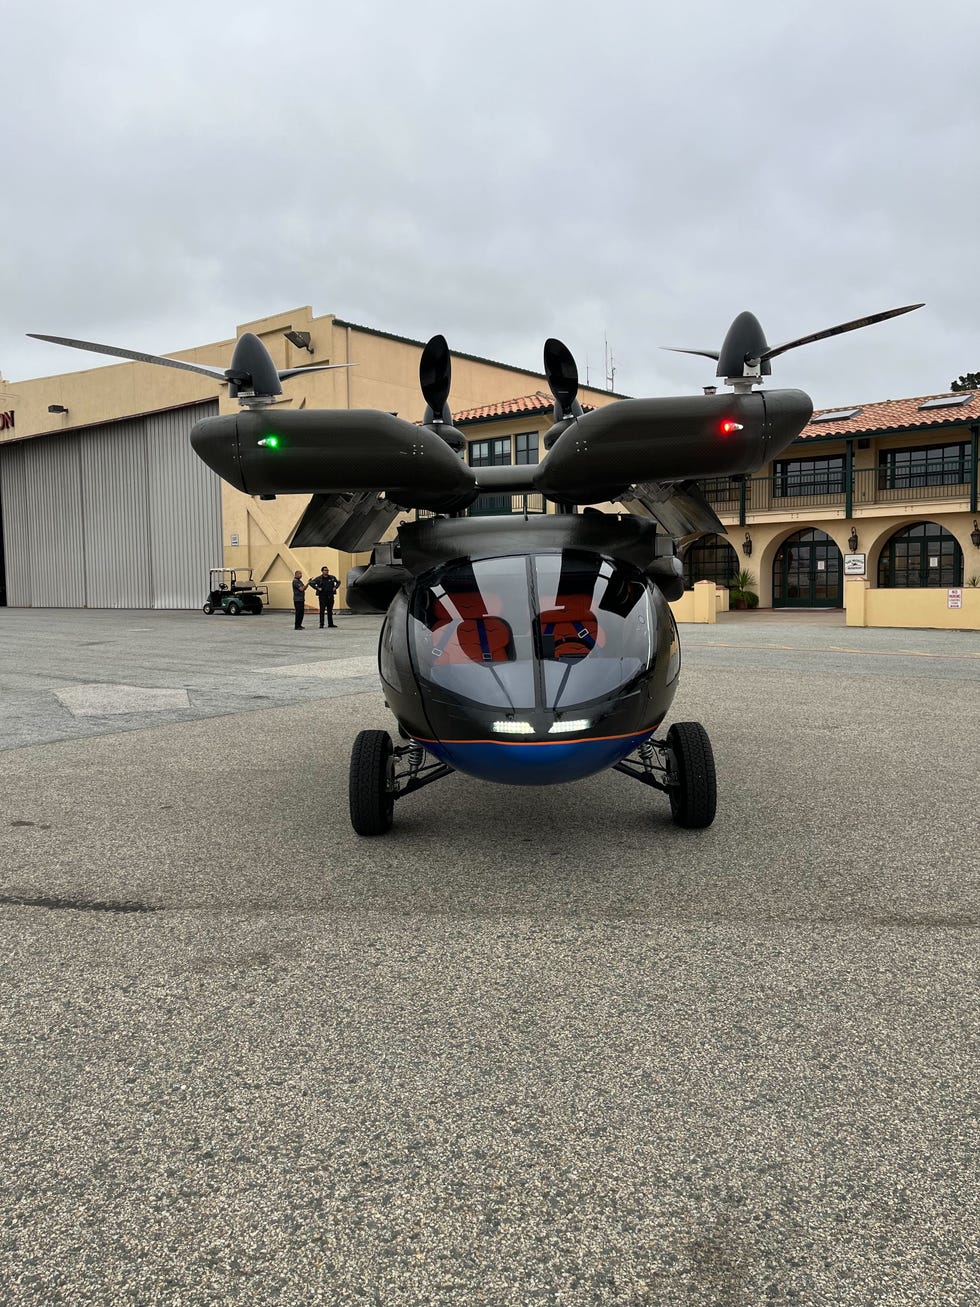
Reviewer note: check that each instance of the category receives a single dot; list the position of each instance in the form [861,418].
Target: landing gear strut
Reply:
[683,766]
[380,774]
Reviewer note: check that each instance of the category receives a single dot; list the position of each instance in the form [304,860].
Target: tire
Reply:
[208,608]
[694,796]
[372,799]
[255,607]
[234,608]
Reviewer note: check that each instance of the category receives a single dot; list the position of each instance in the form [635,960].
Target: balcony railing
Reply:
[886,486]
[500,505]
[869,486]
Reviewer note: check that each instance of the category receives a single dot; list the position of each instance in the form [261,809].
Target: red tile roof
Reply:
[894,415]
[539,402]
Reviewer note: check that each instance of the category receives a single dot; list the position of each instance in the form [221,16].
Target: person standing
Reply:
[299,600]
[325,587]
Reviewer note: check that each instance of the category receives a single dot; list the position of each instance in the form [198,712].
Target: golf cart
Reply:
[233,591]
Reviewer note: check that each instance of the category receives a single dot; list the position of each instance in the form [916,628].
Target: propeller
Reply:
[745,353]
[435,377]
[562,374]
[252,379]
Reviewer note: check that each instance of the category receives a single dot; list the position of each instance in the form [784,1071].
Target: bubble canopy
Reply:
[545,631]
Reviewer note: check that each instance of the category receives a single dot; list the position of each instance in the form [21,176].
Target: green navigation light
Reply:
[270,442]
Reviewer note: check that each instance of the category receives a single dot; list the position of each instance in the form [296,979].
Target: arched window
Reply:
[710,559]
[808,572]
[921,556]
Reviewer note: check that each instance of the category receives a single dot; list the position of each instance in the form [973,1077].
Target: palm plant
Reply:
[741,591]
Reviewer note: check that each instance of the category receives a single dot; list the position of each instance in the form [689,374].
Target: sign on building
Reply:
[954,598]
[854,564]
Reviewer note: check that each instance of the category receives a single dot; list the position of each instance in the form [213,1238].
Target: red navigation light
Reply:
[728,427]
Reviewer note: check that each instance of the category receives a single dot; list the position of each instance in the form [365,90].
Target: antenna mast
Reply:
[610,365]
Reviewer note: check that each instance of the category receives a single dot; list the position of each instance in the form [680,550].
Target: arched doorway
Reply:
[710,559]
[808,572]
[921,556]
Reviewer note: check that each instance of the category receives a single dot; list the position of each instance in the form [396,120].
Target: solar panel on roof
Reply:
[835,416]
[946,401]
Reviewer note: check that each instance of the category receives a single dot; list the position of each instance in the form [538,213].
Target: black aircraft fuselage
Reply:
[527,651]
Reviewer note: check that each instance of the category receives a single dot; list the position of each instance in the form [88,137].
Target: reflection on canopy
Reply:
[522,632]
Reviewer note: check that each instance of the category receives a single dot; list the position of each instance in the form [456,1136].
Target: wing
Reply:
[335,452]
[351,521]
[679,507]
[658,442]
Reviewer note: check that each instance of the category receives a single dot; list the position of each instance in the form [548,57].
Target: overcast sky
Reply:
[500,172]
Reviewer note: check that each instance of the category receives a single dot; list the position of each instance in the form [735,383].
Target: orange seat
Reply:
[570,629]
[485,639]
[477,636]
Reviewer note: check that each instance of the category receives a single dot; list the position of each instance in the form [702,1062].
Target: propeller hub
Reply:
[252,377]
[742,349]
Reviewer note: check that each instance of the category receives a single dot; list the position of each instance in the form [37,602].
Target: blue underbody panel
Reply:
[534,764]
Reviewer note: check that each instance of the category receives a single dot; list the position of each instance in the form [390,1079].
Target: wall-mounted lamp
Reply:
[57,408]
[301,339]
[852,541]
[975,535]
[747,545]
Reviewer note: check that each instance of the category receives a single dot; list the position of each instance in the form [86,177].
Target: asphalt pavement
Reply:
[534,1046]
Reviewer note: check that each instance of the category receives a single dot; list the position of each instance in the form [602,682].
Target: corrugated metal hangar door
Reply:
[120,516]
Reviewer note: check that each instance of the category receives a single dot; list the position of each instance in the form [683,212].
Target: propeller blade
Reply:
[561,371]
[217,373]
[315,367]
[435,374]
[705,353]
[838,331]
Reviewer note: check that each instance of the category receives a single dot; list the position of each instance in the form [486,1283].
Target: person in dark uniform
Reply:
[299,601]
[325,587]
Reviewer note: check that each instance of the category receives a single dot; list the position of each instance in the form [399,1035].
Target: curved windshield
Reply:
[594,626]
[542,631]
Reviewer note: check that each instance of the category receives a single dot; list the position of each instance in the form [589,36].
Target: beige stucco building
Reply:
[885,490]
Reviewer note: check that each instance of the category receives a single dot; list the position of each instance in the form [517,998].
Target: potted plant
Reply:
[741,592]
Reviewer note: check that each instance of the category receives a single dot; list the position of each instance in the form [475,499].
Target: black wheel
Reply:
[372,795]
[208,608]
[255,607]
[694,793]
[233,608]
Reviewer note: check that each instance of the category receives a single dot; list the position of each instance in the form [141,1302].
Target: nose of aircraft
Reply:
[510,762]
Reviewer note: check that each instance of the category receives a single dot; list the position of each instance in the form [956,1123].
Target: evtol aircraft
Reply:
[528,649]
